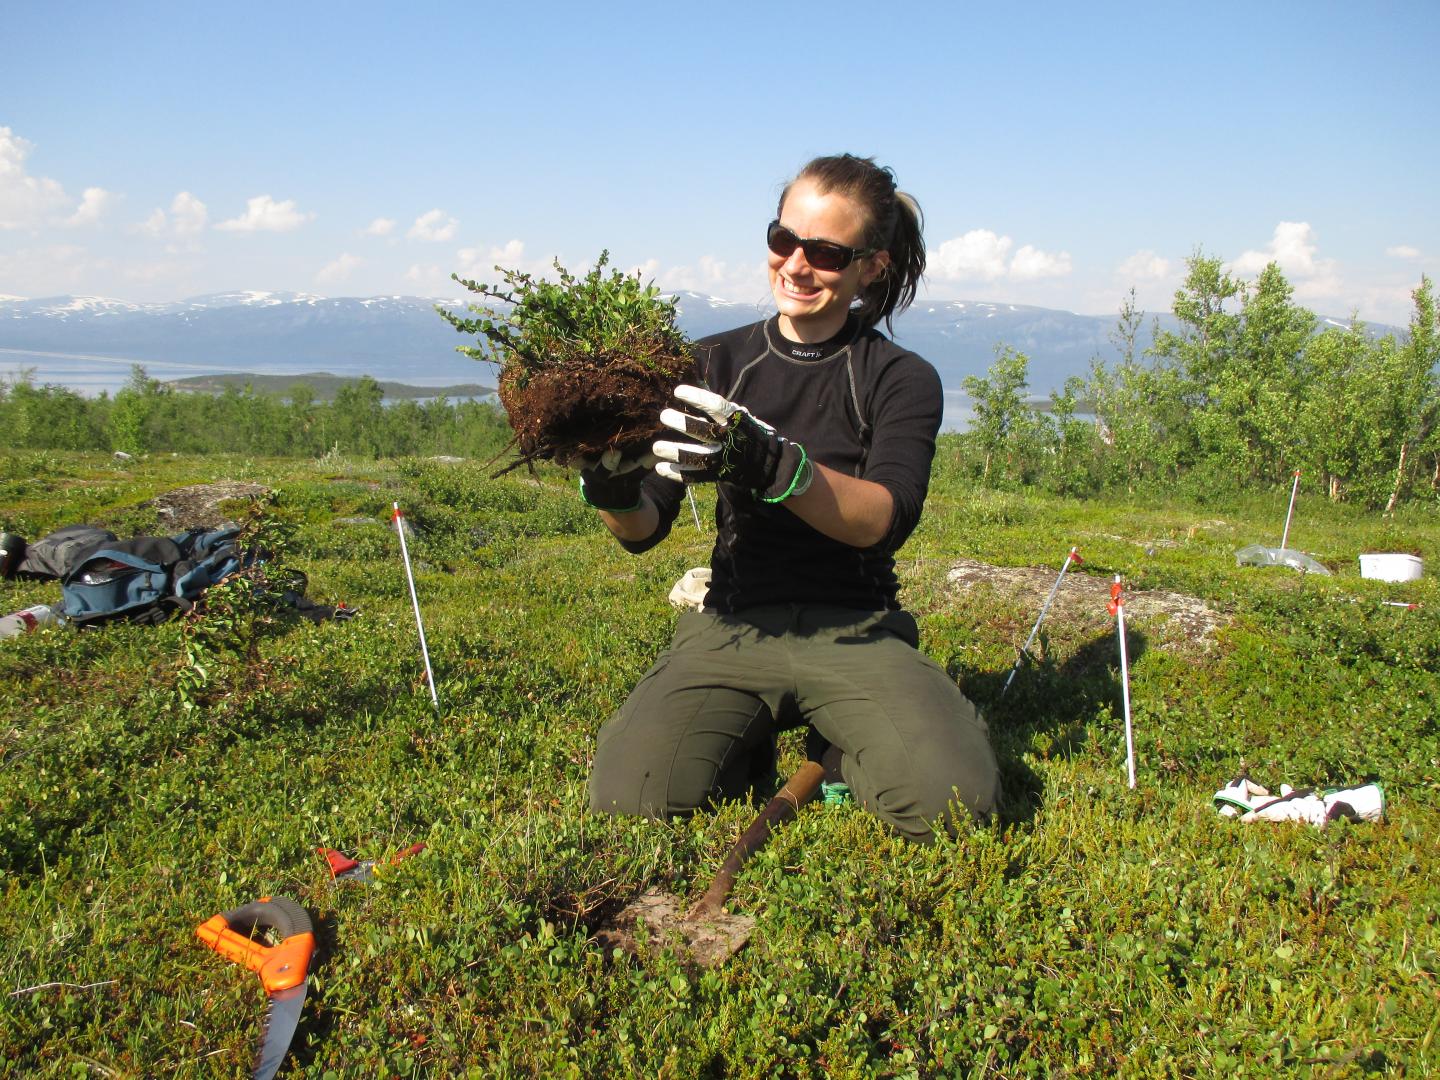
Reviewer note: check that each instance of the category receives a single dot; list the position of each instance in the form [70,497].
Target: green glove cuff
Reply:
[804,472]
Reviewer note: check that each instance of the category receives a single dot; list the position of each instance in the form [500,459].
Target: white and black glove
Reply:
[1250,802]
[613,483]
[732,446]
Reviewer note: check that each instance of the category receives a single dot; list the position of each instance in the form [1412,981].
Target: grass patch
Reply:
[1090,930]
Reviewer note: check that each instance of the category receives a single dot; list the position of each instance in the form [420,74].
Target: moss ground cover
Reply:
[1090,931]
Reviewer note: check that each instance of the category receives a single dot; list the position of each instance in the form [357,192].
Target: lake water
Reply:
[90,375]
[958,414]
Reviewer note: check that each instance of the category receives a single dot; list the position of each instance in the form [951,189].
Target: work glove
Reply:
[612,482]
[1303,805]
[733,446]
[1253,803]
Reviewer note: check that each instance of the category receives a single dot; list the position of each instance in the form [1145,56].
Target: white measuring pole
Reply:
[1117,607]
[693,509]
[1293,489]
[1074,556]
[415,601]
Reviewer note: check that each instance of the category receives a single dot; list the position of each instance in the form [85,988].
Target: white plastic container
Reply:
[1391,567]
[31,618]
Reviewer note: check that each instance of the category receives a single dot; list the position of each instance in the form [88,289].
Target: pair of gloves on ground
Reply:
[1250,802]
[726,443]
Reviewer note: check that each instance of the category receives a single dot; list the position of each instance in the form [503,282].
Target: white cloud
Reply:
[381,226]
[1292,248]
[434,226]
[264,214]
[340,268]
[93,205]
[474,262]
[709,276]
[25,201]
[54,268]
[746,282]
[1031,264]
[155,224]
[512,252]
[471,263]
[1144,266]
[189,214]
[978,255]
[1391,302]
[1403,251]
[183,224]
[645,271]
[984,255]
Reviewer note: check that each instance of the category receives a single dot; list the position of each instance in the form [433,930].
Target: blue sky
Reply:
[1063,153]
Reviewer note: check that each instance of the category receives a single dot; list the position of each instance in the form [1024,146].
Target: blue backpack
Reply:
[148,579]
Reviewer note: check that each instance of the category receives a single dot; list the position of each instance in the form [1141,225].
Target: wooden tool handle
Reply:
[798,790]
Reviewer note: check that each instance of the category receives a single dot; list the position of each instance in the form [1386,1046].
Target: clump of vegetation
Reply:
[585,363]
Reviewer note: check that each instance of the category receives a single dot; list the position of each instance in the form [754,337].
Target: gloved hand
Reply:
[733,446]
[612,482]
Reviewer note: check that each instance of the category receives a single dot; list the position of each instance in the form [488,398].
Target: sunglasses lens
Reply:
[823,255]
[781,240]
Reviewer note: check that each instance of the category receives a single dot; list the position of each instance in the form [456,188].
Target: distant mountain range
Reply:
[89,342]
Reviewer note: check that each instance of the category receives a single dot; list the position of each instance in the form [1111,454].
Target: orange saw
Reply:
[282,968]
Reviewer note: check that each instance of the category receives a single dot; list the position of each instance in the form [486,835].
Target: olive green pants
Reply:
[702,723]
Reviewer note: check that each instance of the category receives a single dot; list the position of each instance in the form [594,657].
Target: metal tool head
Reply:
[657,919]
[345,870]
[282,1017]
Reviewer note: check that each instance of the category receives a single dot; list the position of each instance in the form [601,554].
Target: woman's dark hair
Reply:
[893,223]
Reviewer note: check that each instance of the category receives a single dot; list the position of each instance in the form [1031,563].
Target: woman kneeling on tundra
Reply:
[818,432]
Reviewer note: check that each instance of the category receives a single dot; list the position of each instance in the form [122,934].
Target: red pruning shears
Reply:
[344,868]
[282,968]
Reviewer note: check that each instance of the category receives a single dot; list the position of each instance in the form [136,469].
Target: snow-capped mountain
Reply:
[270,332]
[89,342]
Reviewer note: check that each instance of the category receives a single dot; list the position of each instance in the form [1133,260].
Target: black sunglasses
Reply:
[820,254]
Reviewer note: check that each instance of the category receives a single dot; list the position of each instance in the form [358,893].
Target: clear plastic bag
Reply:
[1260,555]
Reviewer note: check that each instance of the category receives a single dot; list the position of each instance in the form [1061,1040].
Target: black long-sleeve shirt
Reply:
[859,404]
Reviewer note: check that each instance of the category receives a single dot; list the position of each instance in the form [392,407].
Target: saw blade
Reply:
[281,1019]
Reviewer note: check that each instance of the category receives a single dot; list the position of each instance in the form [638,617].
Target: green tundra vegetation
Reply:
[155,776]
[147,416]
